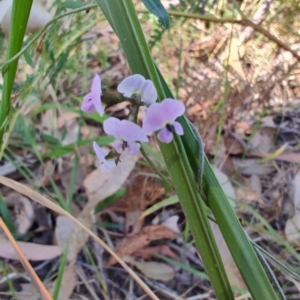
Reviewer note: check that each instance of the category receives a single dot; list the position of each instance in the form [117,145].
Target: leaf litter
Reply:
[269,187]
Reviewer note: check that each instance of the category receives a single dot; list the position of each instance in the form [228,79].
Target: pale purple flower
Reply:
[162,116]
[127,134]
[105,164]
[137,85]
[92,100]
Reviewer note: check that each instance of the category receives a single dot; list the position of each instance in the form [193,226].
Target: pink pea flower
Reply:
[105,164]
[92,100]
[162,116]
[127,134]
[137,85]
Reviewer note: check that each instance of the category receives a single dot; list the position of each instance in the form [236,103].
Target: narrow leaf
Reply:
[157,9]
[19,18]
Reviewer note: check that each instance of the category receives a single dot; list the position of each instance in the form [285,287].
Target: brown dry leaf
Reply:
[23,211]
[252,166]
[142,239]
[32,251]
[142,192]
[38,18]
[99,186]
[28,292]
[155,270]
[231,269]
[232,50]
[172,223]
[232,145]
[133,221]
[68,283]
[150,252]
[289,157]
[226,185]
[249,190]
[67,173]
[296,184]
[263,140]
[65,117]
[292,228]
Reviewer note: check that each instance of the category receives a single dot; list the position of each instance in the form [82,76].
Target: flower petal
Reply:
[149,93]
[118,145]
[178,128]
[100,153]
[87,104]
[131,132]
[165,136]
[154,119]
[133,148]
[107,168]
[172,109]
[96,94]
[131,85]
[112,127]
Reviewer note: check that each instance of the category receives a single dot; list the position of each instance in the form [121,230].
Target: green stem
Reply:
[153,166]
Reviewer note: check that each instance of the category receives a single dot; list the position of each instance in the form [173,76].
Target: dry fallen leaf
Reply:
[38,18]
[292,228]
[99,186]
[172,223]
[23,211]
[252,166]
[231,269]
[142,239]
[133,221]
[263,140]
[226,185]
[296,184]
[68,282]
[150,252]
[142,192]
[155,270]
[32,251]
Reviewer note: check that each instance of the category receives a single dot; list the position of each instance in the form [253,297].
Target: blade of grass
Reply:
[62,265]
[44,293]
[35,196]
[18,22]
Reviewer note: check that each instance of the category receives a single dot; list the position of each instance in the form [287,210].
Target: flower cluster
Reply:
[160,117]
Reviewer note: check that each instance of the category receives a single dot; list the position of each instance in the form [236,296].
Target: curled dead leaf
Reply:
[142,239]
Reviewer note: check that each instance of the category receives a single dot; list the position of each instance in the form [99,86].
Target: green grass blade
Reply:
[157,9]
[19,18]
[123,19]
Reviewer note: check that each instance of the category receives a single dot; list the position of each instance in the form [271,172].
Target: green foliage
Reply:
[19,18]
[157,9]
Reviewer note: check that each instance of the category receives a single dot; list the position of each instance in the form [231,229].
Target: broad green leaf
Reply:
[157,9]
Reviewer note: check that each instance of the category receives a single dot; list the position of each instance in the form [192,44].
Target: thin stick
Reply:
[43,291]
